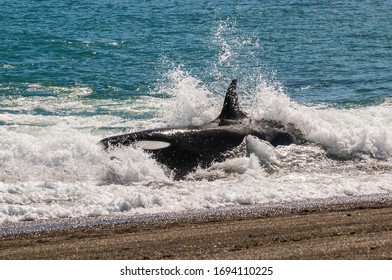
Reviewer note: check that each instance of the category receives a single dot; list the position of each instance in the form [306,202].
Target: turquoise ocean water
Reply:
[73,72]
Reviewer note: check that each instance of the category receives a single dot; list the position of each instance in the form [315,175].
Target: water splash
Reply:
[193,102]
[234,52]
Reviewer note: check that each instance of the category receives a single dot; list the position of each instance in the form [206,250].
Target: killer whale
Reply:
[183,149]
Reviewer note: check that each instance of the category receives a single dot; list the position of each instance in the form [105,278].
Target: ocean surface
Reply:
[73,72]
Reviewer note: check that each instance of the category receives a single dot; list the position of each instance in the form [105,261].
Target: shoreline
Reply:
[360,229]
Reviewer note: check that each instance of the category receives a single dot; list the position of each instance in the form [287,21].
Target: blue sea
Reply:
[73,72]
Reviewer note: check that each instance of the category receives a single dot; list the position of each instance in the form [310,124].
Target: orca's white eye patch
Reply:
[151,145]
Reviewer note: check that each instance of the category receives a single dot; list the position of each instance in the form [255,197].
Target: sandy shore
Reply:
[355,231]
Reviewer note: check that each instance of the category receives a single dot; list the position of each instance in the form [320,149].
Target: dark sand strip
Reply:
[345,232]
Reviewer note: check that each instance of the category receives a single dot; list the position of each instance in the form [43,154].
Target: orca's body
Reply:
[185,148]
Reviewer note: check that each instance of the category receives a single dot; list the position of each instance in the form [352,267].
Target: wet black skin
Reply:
[191,147]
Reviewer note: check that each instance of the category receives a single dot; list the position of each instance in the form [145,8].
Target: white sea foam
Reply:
[7,66]
[52,167]
[343,132]
[193,102]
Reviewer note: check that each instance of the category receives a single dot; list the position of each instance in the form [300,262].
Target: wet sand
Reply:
[348,231]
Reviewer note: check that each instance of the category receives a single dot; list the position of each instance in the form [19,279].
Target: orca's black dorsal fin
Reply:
[231,109]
